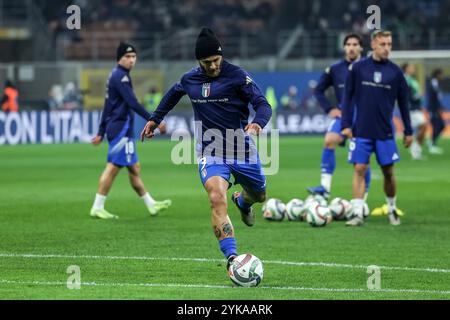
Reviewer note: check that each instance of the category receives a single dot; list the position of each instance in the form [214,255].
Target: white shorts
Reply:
[417,118]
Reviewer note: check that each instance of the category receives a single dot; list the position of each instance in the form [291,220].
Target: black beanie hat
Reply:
[207,44]
[123,49]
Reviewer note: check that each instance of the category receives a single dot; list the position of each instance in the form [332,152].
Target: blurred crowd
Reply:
[67,97]
[231,17]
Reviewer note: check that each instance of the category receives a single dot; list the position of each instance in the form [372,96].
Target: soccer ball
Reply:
[351,214]
[294,210]
[366,210]
[274,210]
[318,215]
[318,198]
[246,270]
[340,208]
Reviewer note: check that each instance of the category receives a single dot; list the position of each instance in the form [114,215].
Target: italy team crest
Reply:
[206,90]
[377,77]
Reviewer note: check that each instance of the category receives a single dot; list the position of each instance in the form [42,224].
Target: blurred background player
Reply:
[152,98]
[117,122]
[418,120]
[371,89]
[220,94]
[435,107]
[10,99]
[334,76]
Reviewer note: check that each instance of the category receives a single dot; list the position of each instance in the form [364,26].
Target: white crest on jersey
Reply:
[435,84]
[125,79]
[327,70]
[377,76]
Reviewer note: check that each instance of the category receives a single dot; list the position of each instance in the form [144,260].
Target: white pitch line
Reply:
[205,286]
[291,263]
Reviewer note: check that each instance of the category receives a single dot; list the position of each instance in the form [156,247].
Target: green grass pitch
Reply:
[46,193]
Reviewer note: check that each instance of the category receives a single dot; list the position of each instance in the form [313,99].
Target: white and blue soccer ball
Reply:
[318,198]
[365,213]
[274,210]
[246,270]
[294,210]
[340,208]
[318,215]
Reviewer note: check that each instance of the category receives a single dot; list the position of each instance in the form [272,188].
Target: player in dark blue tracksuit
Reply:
[371,89]
[435,108]
[117,123]
[220,94]
[335,76]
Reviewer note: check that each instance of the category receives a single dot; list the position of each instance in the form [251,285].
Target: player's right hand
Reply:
[97,140]
[347,132]
[335,113]
[149,130]
[407,141]
[162,128]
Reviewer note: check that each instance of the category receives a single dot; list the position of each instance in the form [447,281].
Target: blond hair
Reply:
[380,33]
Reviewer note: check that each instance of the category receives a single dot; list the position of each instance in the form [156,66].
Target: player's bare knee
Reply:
[135,170]
[330,144]
[361,169]
[217,199]
[111,170]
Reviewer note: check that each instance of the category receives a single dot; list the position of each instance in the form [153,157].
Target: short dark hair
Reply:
[353,36]
[8,84]
[405,66]
[437,72]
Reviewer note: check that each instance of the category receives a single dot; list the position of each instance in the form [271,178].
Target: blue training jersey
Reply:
[219,103]
[120,102]
[333,76]
[374,86]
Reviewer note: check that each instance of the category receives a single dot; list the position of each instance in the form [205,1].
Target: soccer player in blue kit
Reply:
[117,123]
[220,93]
[371,89]
[335,76]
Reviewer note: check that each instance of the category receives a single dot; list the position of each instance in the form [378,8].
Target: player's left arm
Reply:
[325,81]
[403,105]
[127,94]
[97,140]
[347,103]
[263,110]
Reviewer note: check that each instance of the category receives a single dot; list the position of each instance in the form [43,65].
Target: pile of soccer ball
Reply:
[314,209]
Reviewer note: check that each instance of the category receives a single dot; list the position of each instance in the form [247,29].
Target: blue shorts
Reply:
[249,175]
[335,127]
[360,150]
[122,151]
